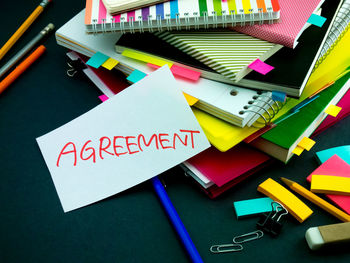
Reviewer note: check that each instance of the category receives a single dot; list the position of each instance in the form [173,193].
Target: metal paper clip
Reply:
[225,248]
[248,237]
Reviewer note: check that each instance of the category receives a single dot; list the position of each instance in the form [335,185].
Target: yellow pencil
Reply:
[23,28]
[317,200]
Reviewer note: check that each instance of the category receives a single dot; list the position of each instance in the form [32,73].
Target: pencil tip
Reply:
[287,181]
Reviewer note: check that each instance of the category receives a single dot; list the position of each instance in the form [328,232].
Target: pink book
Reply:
[292,23]
[337,167]
[344,103]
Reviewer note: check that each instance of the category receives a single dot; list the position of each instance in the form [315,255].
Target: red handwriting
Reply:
[121,145]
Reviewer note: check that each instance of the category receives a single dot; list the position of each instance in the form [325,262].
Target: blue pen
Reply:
[176,221]
[303,104]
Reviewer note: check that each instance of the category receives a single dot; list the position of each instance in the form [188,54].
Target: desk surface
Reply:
[131,226]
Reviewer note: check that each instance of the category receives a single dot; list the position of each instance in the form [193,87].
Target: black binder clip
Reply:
[270,223]
[75,66]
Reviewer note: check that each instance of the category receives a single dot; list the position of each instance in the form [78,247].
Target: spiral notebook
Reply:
[177,14]
[338,30]
[227,52]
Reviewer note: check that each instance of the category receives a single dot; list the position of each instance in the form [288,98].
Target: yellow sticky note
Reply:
[329,184]
[298,150]
[190,99]
[306,143]
[333,110]
[110,63]
[146,58]
[280,194]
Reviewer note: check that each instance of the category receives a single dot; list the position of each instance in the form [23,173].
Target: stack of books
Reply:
[260,75]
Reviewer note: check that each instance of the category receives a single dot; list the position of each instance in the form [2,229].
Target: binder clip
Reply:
[75,66]
[270,222]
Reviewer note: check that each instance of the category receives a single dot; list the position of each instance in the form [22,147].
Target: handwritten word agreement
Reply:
[139,133]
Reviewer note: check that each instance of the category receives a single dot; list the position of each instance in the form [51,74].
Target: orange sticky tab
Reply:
[333,110]
[298,150]
[280,194]
[190,99]
[306,143]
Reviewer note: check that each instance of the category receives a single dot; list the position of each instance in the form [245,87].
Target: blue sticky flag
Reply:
[279,96]
[97,60]
[252,207]
[316,20]
[342,151]
[136,75]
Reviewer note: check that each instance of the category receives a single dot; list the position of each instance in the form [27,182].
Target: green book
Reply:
[280,141]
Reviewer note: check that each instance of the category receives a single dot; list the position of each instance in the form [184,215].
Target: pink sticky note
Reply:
[337,167]
[260,67]
[103,97]
[184,72]
[180,71]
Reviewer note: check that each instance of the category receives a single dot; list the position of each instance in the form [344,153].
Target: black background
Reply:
[131,226]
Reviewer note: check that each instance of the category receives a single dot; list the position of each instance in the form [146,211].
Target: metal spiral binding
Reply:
[196,21]
[268,105]
[149,21]
[159,23]
[342,31]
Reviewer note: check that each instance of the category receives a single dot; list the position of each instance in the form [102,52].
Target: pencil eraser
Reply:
[328,235]
[313,238]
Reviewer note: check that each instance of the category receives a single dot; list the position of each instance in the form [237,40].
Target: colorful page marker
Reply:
[97,60]
[136,75]
[110,63]
[280,194]
[260,67]
[329,184]
[342,151]
[184,72]
[145,58]
[190,99]
[298,150]
[335,166]
[333,110]
[252,207]
[103,98]
[316,20]
[93,156]
[306,143]
[279,96]
[181,72]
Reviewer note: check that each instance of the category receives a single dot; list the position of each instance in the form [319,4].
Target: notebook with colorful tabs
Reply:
[282,140]
[335,166]
[177,14]
[225,101]
[293,22]
[229,53]
[293,67]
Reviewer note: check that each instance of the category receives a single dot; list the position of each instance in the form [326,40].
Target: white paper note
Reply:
[139,133]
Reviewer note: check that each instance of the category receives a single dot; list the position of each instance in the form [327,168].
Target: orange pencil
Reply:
[21,68]
[23,28]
